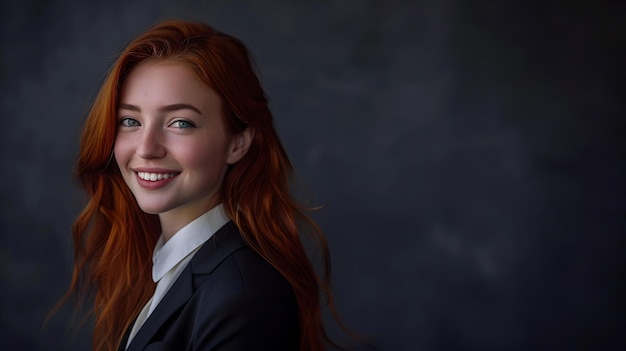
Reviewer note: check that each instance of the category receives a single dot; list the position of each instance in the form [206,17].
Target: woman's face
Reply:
[172,146]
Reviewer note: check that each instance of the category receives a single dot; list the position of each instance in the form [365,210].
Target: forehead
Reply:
[165,82]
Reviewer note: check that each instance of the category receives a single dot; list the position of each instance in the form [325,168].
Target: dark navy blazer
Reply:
[227,298]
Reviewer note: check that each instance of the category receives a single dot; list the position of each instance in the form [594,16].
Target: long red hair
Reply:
[114,238]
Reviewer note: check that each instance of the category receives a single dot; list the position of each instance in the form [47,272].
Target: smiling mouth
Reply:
[154,177]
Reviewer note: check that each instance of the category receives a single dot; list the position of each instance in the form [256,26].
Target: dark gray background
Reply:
[470,156]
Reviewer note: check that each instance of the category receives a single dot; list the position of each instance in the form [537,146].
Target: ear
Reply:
[239,145]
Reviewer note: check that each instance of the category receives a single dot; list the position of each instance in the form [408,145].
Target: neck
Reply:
[174,220]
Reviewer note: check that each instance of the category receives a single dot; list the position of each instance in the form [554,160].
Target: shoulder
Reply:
[243,302]
[245,274]
[247,270]
[228,262]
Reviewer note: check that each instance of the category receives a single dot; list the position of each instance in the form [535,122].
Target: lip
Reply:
[157,184]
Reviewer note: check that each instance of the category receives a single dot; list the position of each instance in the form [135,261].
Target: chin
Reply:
[152,209]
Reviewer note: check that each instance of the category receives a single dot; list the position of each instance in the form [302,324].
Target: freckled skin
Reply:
[193,144]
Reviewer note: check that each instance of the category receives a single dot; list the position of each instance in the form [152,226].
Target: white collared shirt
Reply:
[171,257]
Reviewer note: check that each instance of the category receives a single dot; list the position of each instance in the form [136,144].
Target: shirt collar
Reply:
[167,255]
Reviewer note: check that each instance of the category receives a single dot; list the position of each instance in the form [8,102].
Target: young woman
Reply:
[190,239]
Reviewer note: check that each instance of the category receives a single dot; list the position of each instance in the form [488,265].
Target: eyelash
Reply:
[189,124]
[126,122]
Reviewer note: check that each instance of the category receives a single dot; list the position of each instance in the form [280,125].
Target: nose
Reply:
[151,145]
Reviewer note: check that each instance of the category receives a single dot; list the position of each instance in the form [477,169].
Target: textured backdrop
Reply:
[470,156]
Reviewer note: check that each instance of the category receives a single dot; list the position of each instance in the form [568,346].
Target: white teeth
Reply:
[153,177]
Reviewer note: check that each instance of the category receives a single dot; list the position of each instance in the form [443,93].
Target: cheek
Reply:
[121,151]
[202,156]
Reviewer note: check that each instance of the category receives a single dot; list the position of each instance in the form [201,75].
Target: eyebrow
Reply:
[167,108]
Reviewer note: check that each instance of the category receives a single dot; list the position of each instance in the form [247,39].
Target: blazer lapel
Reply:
[221,245]
[178,294]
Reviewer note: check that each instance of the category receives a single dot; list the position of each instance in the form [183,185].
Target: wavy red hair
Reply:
[113,238]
